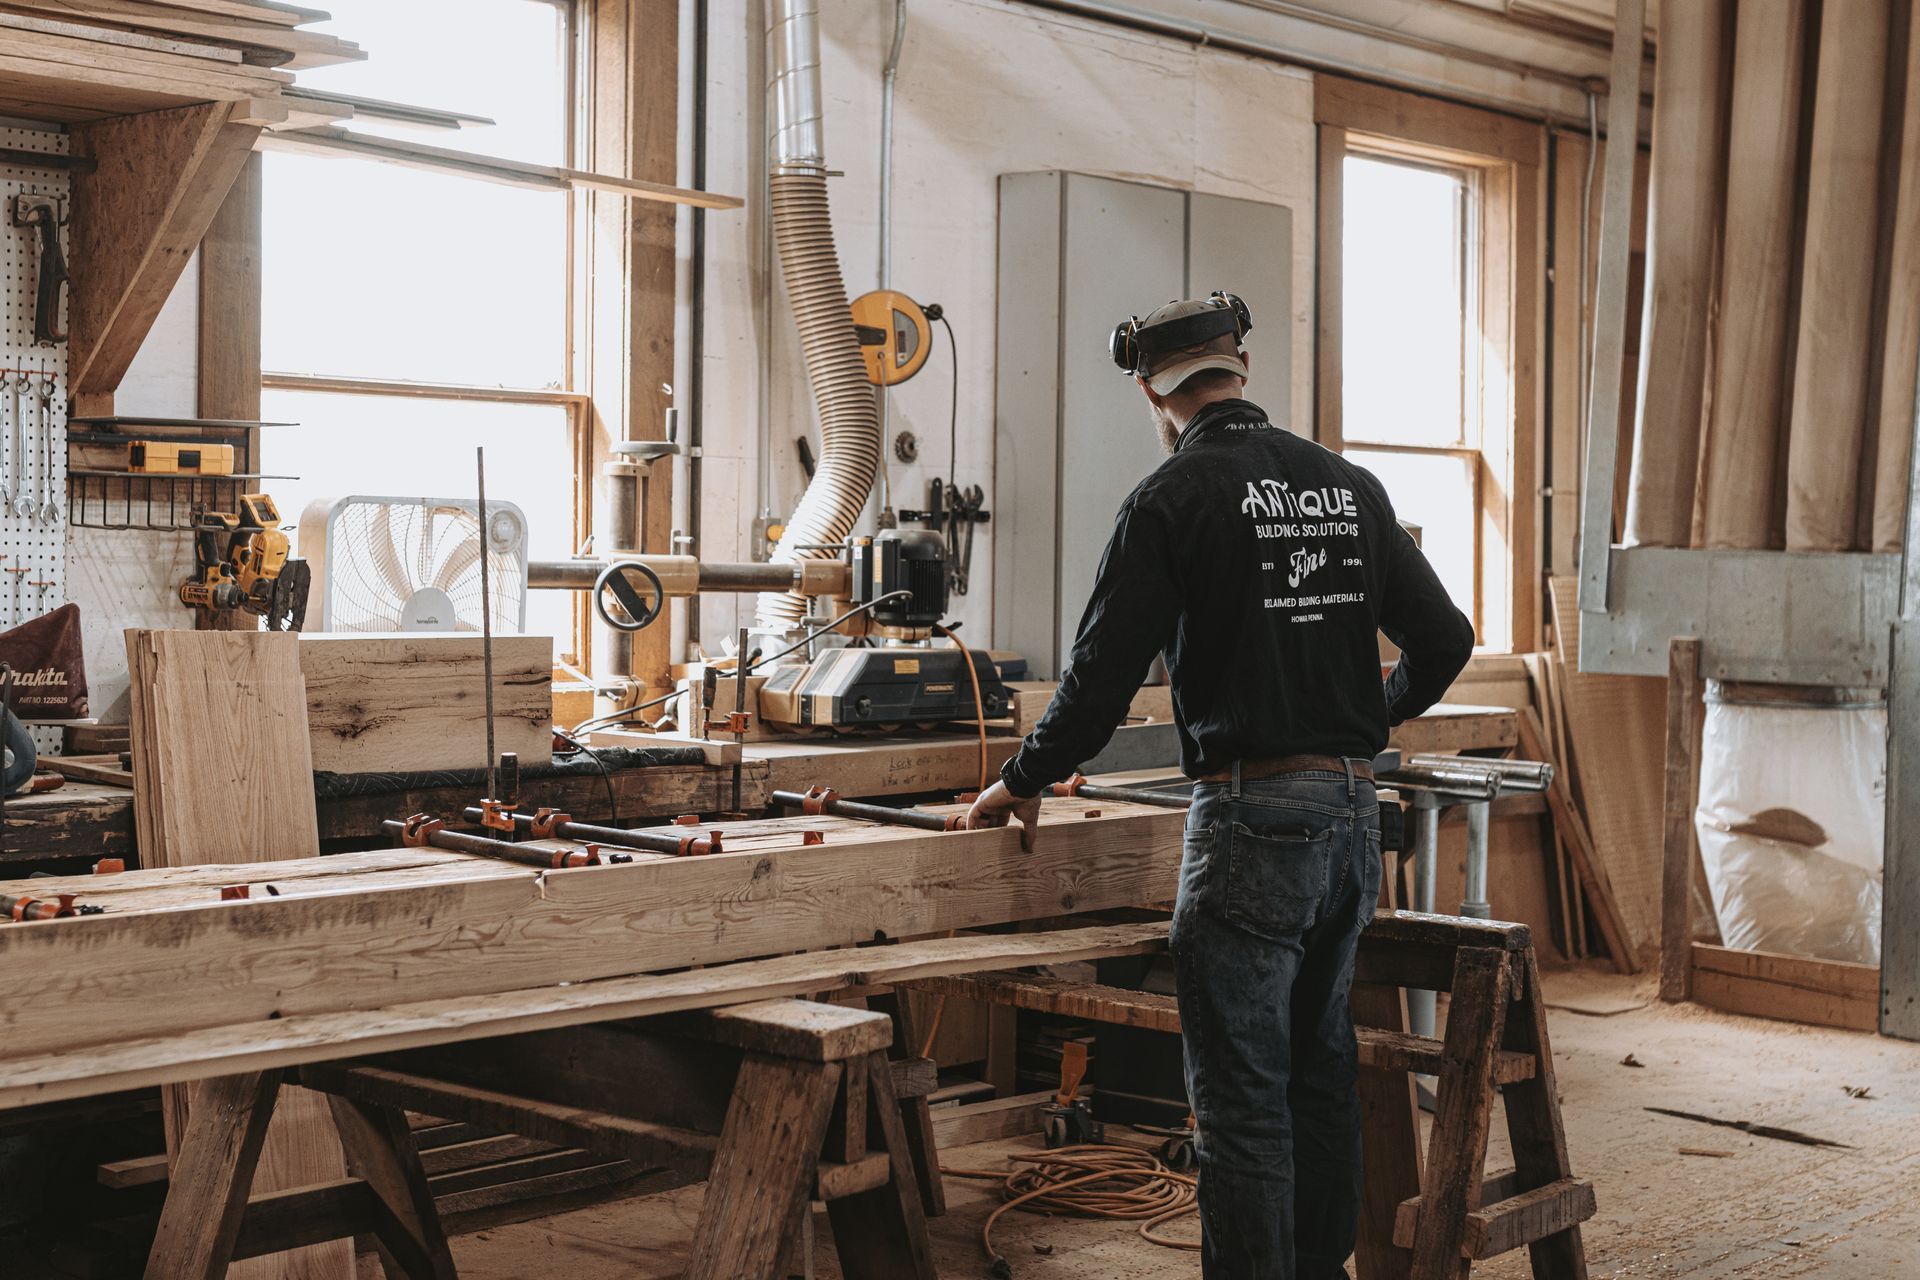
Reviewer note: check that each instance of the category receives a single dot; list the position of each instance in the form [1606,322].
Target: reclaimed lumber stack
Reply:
[85,59]
[222,773]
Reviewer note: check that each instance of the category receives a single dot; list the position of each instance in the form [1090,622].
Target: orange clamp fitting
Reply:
[816,800]
[956,822]
[587,857]
[1071,787]
[694,846]
[813,837]
[737,722]
[418,831]
[235,892]
[547,822]
[109,866]
[687,820]
[495,814]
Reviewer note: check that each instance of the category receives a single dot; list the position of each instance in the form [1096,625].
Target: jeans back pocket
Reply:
[1276,879]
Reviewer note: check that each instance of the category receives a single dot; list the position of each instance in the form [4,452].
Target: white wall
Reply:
[131,578]
[985,88]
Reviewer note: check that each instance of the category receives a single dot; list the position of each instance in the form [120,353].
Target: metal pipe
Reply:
[1474,905]
[486,616]
[1423,836]
[1515,775]
[829,803]
[580,574]
[547,826]
[810,266]
[1079,786]
[889,76]
[1481,784]
[416,834]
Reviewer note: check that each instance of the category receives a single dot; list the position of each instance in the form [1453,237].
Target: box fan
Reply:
[413,564]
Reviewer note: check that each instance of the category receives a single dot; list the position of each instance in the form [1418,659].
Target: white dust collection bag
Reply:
[1792,818]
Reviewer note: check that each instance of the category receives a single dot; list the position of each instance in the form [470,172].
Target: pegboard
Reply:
[33,420]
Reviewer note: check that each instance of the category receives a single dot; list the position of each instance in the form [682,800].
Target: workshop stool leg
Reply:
[916,1116]
[212,1177]
[764,1167]
[1457,1148]
[380,1151]
[882,1234]
[1538,1138]
[1390,1141]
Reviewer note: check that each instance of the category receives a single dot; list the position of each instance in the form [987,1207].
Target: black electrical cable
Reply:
[754,663]
[613,804]
[953,411]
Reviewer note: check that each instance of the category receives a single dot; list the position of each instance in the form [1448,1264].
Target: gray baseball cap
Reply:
[1172,368]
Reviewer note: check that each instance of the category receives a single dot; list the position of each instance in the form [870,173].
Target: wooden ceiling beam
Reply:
[160,178]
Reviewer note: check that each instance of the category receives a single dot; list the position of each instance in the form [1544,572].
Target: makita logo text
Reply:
[40,679]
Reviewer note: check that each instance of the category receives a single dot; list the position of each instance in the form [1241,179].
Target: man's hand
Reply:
[996,804]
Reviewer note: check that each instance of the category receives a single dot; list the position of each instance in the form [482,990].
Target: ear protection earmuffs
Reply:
[1133,345]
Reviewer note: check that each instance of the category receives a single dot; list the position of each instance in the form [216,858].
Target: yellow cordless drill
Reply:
[241,561]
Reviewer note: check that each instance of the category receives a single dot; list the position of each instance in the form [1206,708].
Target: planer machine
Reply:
[881,598]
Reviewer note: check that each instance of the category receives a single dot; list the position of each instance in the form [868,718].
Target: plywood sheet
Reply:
[1616,735]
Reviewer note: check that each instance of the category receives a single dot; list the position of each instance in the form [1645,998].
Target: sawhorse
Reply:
[1431,1215]
[775,1104]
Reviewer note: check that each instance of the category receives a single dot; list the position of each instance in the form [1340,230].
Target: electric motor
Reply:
[912,560]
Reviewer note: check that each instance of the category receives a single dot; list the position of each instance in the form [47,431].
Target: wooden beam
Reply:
[1833,358]
[160,178]
[1682,786]
[230,308]
[1138,861]
[1398,115]
[511,173]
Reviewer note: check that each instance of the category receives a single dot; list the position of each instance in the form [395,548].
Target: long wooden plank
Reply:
[1765,984]
[1689,118]
[1833,359]
[379,703]
[303,1038]
[1902,333]
[224,772]
[1751,346]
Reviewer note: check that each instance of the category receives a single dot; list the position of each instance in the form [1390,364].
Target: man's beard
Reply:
[1165,426]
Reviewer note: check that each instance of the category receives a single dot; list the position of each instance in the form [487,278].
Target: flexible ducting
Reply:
[803,235]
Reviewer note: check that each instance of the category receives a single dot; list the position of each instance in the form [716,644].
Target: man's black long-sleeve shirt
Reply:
[1262,565]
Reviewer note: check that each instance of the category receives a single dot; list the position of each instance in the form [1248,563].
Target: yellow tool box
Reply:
[179,457]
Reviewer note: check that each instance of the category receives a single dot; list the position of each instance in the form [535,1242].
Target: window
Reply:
[1430,333]
[379,278]
[1409,314]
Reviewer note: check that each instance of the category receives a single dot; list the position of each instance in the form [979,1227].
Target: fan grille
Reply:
[384,550]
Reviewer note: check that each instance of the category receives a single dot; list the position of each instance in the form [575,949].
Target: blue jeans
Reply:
[1278,878]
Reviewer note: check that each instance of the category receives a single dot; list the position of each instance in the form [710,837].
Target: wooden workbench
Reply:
[66,830]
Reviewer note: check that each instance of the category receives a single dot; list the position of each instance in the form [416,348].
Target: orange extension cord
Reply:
[1090,1181]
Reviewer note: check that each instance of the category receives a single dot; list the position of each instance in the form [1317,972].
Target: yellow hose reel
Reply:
[895,335]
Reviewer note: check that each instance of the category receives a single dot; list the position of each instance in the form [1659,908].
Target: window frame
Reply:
[576,648]
[1507,157]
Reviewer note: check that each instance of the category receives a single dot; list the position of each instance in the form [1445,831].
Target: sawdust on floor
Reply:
[1763,1210]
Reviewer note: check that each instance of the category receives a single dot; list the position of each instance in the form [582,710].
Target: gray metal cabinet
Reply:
[1078,254]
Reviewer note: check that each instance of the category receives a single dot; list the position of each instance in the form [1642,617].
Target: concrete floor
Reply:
[1763,1209]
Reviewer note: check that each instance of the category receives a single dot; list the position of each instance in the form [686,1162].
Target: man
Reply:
[1261,565]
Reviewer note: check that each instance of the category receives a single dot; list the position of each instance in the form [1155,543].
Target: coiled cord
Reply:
[1089,1181]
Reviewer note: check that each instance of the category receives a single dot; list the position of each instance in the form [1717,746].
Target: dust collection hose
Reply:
[803,234]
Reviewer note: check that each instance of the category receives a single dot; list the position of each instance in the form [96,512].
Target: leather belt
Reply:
[1279,766]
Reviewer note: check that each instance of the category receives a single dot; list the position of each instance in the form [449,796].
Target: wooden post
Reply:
[1390,1139]
[1832,358]
[627,348]
[1329,209]
[1684,714]
[1751,355]
[1689,121]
